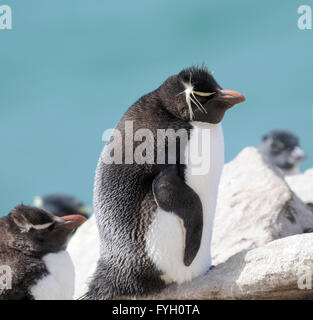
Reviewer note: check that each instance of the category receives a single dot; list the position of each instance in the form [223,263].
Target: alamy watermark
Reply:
[305,18]
[5,278]
[5,17]
[164,146]
[305,277]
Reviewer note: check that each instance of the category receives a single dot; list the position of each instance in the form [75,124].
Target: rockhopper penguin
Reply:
[155,218]
[32,245]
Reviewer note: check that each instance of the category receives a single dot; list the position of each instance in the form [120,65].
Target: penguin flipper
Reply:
[173,195]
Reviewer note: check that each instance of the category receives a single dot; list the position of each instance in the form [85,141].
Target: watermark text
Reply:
[5,278]
[305,18]
[5,17]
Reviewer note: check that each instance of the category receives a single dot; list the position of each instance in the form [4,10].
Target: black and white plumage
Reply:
[282,149]
[61,204]
[155,220]
[32,245]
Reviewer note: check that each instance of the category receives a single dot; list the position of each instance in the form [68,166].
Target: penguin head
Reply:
[38,231]
[282,148]
[62,204]
[194,94]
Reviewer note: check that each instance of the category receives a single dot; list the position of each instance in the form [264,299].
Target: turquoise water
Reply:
[69,70]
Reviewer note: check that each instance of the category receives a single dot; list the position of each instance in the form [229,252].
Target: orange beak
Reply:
[73,221]
[231,97]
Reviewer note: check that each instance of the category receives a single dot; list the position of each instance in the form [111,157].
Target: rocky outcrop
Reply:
[255,206]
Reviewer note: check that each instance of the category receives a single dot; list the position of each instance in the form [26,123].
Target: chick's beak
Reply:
[298,154]
[231,97]
[72,222]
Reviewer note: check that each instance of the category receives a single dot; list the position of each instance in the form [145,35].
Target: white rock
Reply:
[255,206]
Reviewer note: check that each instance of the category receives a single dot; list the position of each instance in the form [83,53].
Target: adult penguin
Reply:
[155,203]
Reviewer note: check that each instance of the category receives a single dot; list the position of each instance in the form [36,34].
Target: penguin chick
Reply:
[281,148]
[32,246]
[62,204]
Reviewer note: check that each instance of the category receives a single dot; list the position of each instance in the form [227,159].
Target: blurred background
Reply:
[70,69]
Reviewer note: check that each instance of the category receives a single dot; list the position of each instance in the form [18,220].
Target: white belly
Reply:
[59,284]
[165,242]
